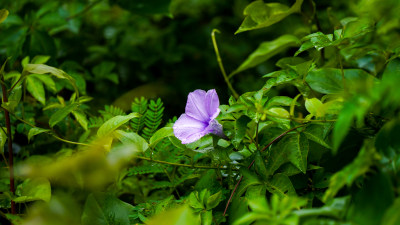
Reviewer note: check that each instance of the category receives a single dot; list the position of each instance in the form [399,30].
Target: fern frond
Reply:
[95,122]
[111,111]
[145,169]
[139,106]
[153,118]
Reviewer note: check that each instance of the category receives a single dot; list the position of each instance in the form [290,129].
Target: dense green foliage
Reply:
[310,108]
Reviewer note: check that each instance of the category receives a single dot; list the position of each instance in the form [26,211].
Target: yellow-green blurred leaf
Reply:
[110,125]
[3,15]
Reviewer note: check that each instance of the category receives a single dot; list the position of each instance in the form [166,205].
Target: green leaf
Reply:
[358,28]
[317,40]
[206,217]
[146,6]
[47,81]
[266,50]
[392,215]
[81,118]
[281,185]
[343,124]
[315,133]
[105,209]
[3,139]
[336,208]
[292,148]
[45,69]
[178,216]
[315,107]
[40,59]
[259,164]
[280,77]
[361,164]
[279,101]
[35,131]
[13,99]
[3,15]
[161,134]
[214,200]
[259,14]
[330,81]
[110,125]
[371,202]
[132,138]
[33,189]
[240,130]
[298,154]
[61,114]
[35,87]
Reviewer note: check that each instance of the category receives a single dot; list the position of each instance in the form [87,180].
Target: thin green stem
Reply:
[180,164]
[221,65]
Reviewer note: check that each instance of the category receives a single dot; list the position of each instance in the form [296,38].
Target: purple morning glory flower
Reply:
[199,117]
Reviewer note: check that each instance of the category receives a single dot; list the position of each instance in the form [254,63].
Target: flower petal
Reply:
[215,128]
[188,129]
[212,103]
[196,106]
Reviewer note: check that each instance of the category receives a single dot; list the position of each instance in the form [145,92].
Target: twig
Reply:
[221,65]
[251,164]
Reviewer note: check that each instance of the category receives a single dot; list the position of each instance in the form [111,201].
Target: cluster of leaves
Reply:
[316,144]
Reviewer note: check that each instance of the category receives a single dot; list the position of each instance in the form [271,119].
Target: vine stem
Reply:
[221,65]
[9,142]
[251,164]
[180,164]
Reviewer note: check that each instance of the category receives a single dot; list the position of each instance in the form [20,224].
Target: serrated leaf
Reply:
[35,131]
[3,15]
[259,14]
[132,138]
[161,134]
[266,50]
[35,87]
[81,118]
[61,114]
[33,189]
[110,125]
